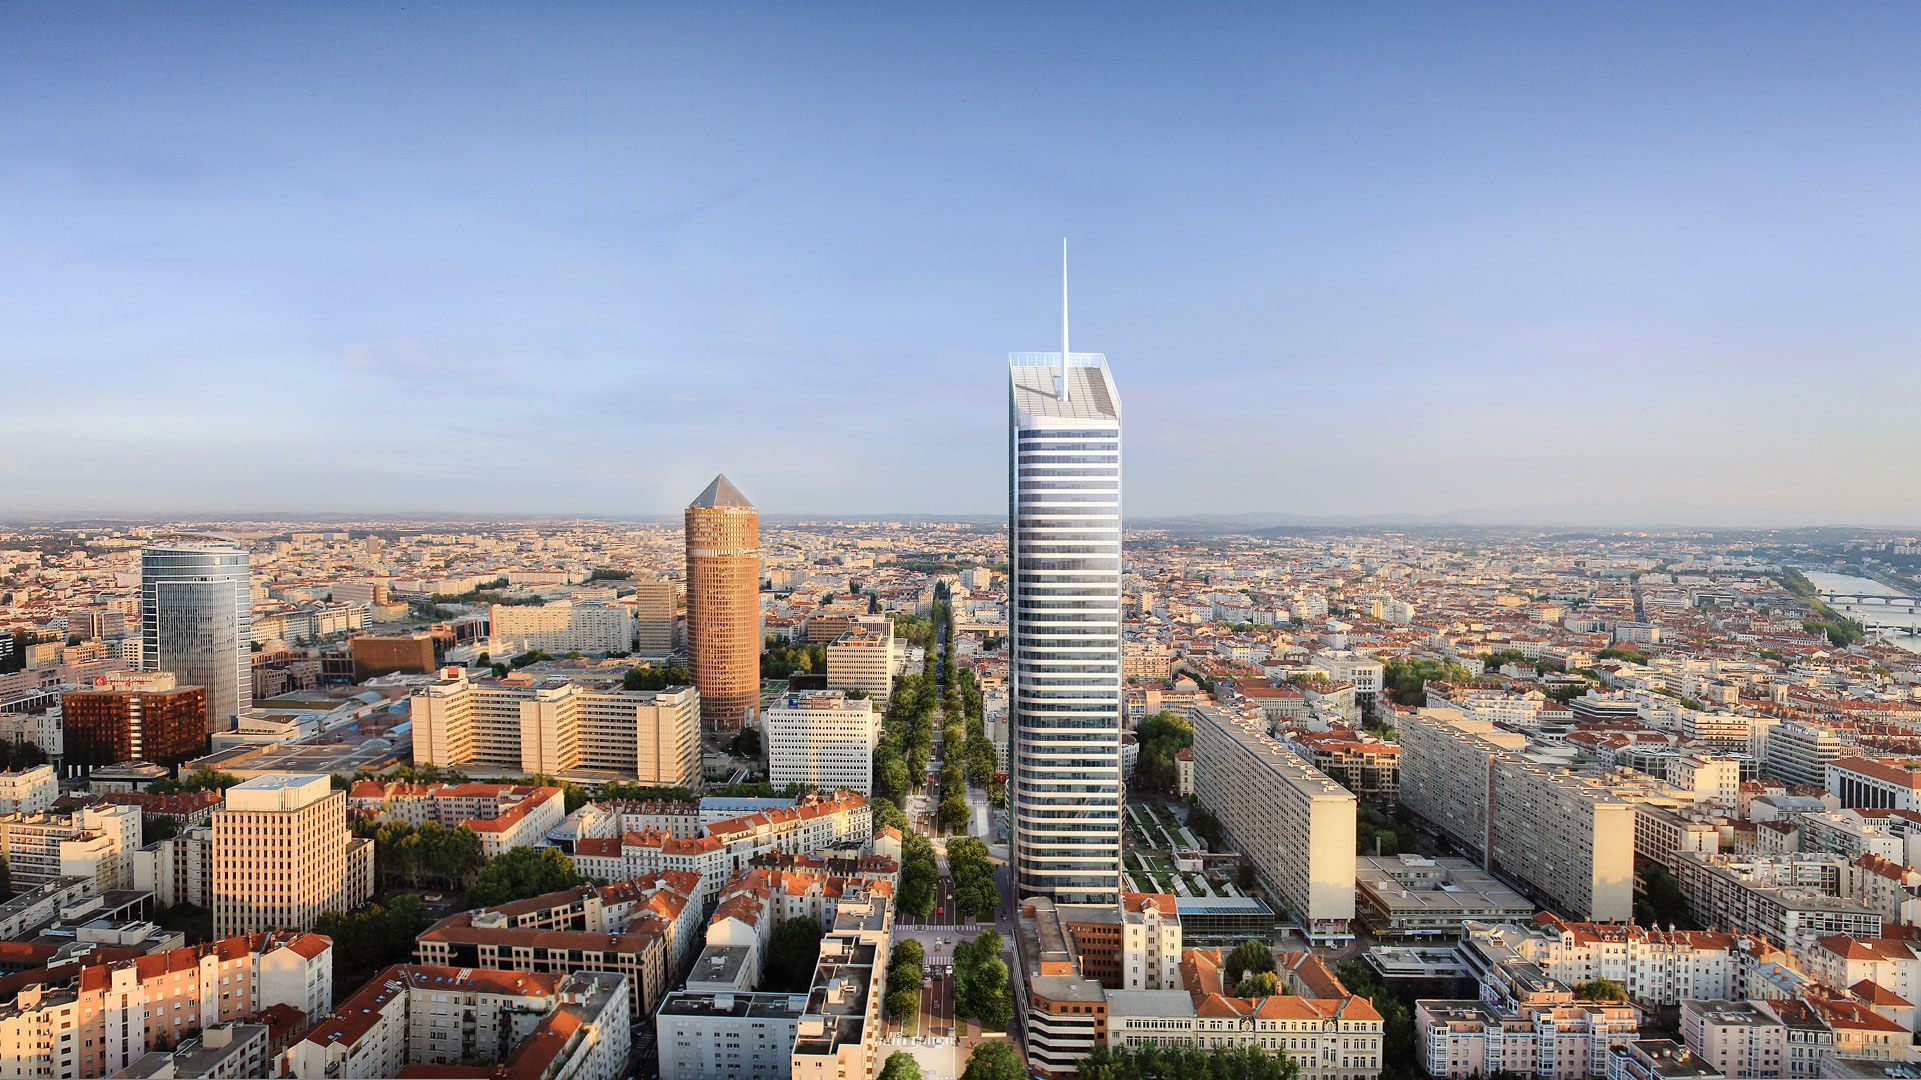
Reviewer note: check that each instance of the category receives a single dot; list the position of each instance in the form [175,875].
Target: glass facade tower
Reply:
[1064,627]
[196,609]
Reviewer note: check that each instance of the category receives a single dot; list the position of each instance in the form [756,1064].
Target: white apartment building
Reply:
[724,847]
[556,727]
[95,842]
[1799,753]
[97,1019]
[1715,779]
[1567,838]
[563,626]
[1565,1040]
[504,816]
[1735,1037]
[1655,965]
[864,658]
[840,1031]
[820,738]
[1362,670]
[1296,825]
[1330,1038]
[29,791]
[728,1036]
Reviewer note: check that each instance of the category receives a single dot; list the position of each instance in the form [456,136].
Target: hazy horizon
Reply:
[1640,264]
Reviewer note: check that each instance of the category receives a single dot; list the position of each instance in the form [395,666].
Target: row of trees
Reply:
[406,855]
[1399,1054]
[21,755]
[977,896]
[904,973]
[201,779]
[523,872]
[981,989]
[655,678]
[1151,1061]
[781,660]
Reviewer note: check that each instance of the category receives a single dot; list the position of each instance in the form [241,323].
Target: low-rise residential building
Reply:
[94,1019]
[504,816]
[537,1025]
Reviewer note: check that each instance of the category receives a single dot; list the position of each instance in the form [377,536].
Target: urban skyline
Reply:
[1496,654]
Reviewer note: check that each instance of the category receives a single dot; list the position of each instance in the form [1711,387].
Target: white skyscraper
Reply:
[196,612]
[1064,549]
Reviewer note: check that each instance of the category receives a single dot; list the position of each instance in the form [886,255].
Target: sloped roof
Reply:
[721,492]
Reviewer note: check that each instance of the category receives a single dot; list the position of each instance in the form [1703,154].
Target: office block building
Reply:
[723,604]
[562,626]
[1799,752]
[390,654]
[1295,824]
[1884,783]
[656,607]
[195,620]
[133,716]
[282,854]
[822,739]
[484,726]
[1064,639]
[863,658]
[1568,839]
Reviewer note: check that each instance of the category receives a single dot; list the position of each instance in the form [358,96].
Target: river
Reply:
[1876,614]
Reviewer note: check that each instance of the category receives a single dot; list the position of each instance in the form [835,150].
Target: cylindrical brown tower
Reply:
[723,604]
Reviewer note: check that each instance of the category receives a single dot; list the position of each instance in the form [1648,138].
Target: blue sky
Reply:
[1535,262]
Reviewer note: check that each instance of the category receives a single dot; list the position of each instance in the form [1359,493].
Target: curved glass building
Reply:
[195,615]
[1064,627]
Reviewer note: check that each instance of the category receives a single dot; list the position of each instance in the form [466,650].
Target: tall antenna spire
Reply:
[1063,318]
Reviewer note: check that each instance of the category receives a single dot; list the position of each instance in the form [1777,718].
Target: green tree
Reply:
[901,1065]
[952,813]
[1249,955]
[746,744]
[890,775]
[903,1007]
[1161,736]
[995,1061]
[656,678]
[520,873]
[907,951]
[1258,984]
[1600,990]
[792,952]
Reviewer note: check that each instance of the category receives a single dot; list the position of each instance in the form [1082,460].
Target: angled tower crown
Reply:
[721,492]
